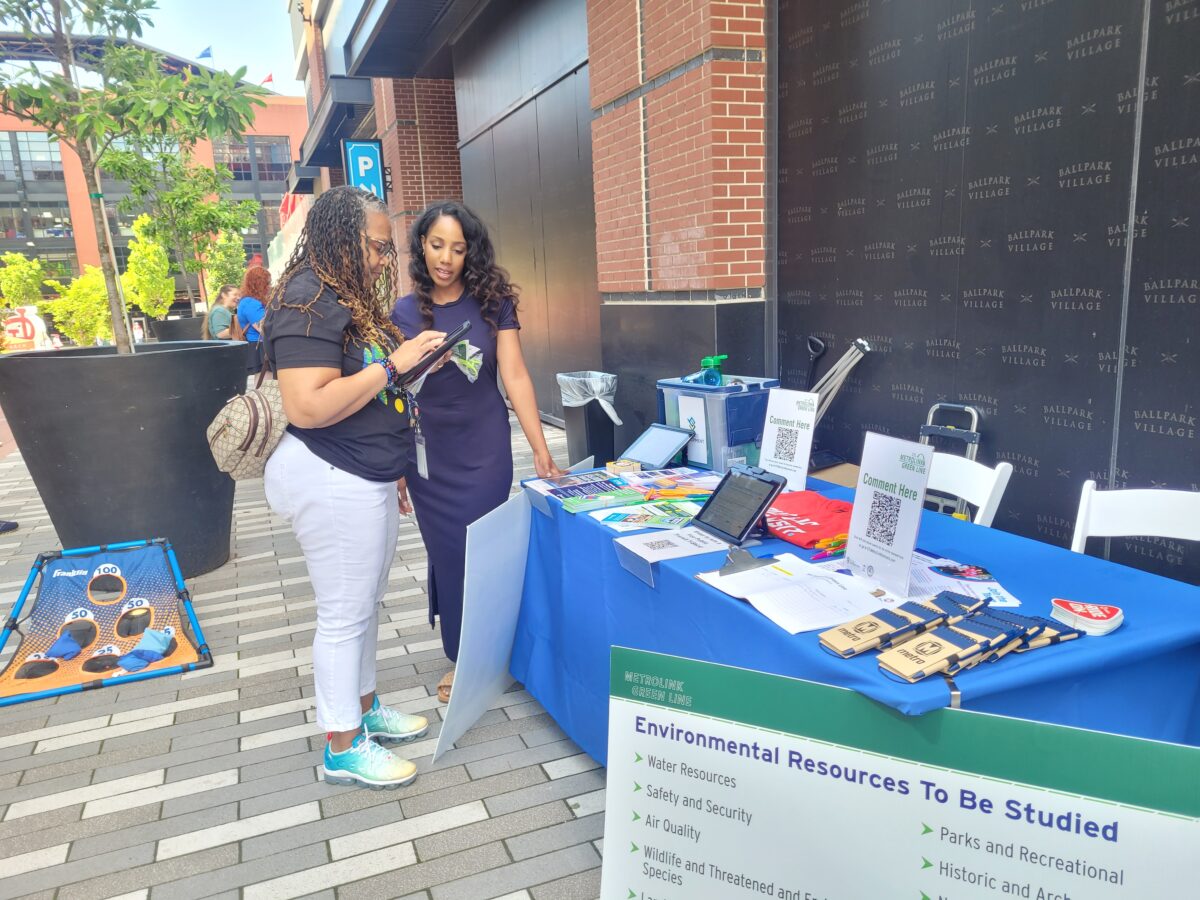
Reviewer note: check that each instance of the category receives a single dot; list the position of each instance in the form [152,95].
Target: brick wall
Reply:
[620,208]
[678,134]
[417,121]
[316,61]
[614,62]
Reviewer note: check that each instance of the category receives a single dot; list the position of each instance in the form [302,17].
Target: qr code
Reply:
[885,513]
[659,545]
[785,444]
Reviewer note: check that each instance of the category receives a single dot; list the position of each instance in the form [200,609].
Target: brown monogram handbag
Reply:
[246,431]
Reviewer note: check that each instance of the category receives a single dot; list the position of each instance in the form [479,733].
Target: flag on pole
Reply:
[206,53]
[270,79]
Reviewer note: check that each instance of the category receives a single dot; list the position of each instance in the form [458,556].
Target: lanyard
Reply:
[414,411]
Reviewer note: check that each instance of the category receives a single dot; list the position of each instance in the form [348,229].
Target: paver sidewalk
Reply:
[209,784]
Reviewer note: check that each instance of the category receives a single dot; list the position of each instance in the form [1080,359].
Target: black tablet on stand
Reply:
[735,509]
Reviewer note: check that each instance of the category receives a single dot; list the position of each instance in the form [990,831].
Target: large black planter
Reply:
[177,329]
[116,444]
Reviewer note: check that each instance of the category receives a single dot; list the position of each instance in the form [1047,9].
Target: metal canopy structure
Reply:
[404,38]
[89,48]
[19,47]
[345,105]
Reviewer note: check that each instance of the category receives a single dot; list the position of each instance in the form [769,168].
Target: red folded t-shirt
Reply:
[805,517]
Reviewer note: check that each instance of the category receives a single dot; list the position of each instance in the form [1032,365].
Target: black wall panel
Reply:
[513,51]
[644,342]
[564,154]
[1160,393]
[528,173]
[518,236]
[955,180]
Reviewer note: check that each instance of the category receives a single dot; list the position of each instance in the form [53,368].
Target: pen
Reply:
[836,539]
[829,554]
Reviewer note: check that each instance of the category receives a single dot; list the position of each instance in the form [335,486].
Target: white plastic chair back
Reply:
[1136,513]
[972,481]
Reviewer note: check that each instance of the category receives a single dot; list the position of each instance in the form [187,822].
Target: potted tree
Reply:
[114,439]
[225,263]
[147,280]
[81,308]
[188,204]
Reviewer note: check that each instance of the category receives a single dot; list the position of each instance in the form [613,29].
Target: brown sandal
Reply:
[444,686]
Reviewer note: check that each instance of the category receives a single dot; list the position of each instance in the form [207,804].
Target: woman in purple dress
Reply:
[462,417]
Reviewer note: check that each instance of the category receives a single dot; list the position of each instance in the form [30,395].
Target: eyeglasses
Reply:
[384,248]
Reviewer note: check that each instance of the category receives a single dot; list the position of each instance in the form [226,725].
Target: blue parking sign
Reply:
[364,165]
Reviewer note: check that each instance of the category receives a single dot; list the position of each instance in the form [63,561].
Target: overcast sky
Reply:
[251,33]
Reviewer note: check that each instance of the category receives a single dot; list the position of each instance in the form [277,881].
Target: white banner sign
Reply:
[728,784]
[497,546]
[887,510]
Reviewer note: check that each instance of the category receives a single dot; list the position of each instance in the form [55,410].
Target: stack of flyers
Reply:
[586,502]
[1090,618]
[599,490]
[549,485]
[680,479]
[588,489]
[648,515]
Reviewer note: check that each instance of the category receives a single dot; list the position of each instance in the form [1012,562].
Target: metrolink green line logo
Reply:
[1106,767]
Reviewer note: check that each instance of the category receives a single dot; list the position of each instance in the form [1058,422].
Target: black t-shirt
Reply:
[374,443]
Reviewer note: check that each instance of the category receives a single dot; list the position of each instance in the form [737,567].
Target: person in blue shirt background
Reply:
[256,290]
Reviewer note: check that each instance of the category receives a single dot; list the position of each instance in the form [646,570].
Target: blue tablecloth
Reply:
[1141,680]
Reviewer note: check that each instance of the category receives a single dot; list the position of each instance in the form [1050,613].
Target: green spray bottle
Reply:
[710,370]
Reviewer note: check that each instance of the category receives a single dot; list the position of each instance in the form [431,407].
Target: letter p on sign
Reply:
[364,165]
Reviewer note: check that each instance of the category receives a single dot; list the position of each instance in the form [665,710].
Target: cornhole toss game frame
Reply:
[106,597]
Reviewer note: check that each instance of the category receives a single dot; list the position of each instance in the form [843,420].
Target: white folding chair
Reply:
[972,481]
[1136,513]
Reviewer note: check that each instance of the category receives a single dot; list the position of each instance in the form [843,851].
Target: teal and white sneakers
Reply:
[389,726]
[367,764]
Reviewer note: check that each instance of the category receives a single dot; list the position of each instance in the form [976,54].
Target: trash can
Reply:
[589,416]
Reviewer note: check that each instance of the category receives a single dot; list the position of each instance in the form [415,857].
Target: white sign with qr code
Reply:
[788,434]
[887,510]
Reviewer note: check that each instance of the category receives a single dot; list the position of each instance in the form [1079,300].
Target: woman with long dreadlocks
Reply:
[462,418]
[335,473]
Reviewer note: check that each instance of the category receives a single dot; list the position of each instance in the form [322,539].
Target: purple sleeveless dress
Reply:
[468,444]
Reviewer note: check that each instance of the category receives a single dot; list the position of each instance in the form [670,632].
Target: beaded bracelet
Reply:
[393,374]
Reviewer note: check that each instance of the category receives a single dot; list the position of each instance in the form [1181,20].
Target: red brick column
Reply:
[417,121]
[678,133]
[316,60]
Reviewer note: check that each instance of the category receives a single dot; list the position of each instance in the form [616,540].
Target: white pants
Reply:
[347,529]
